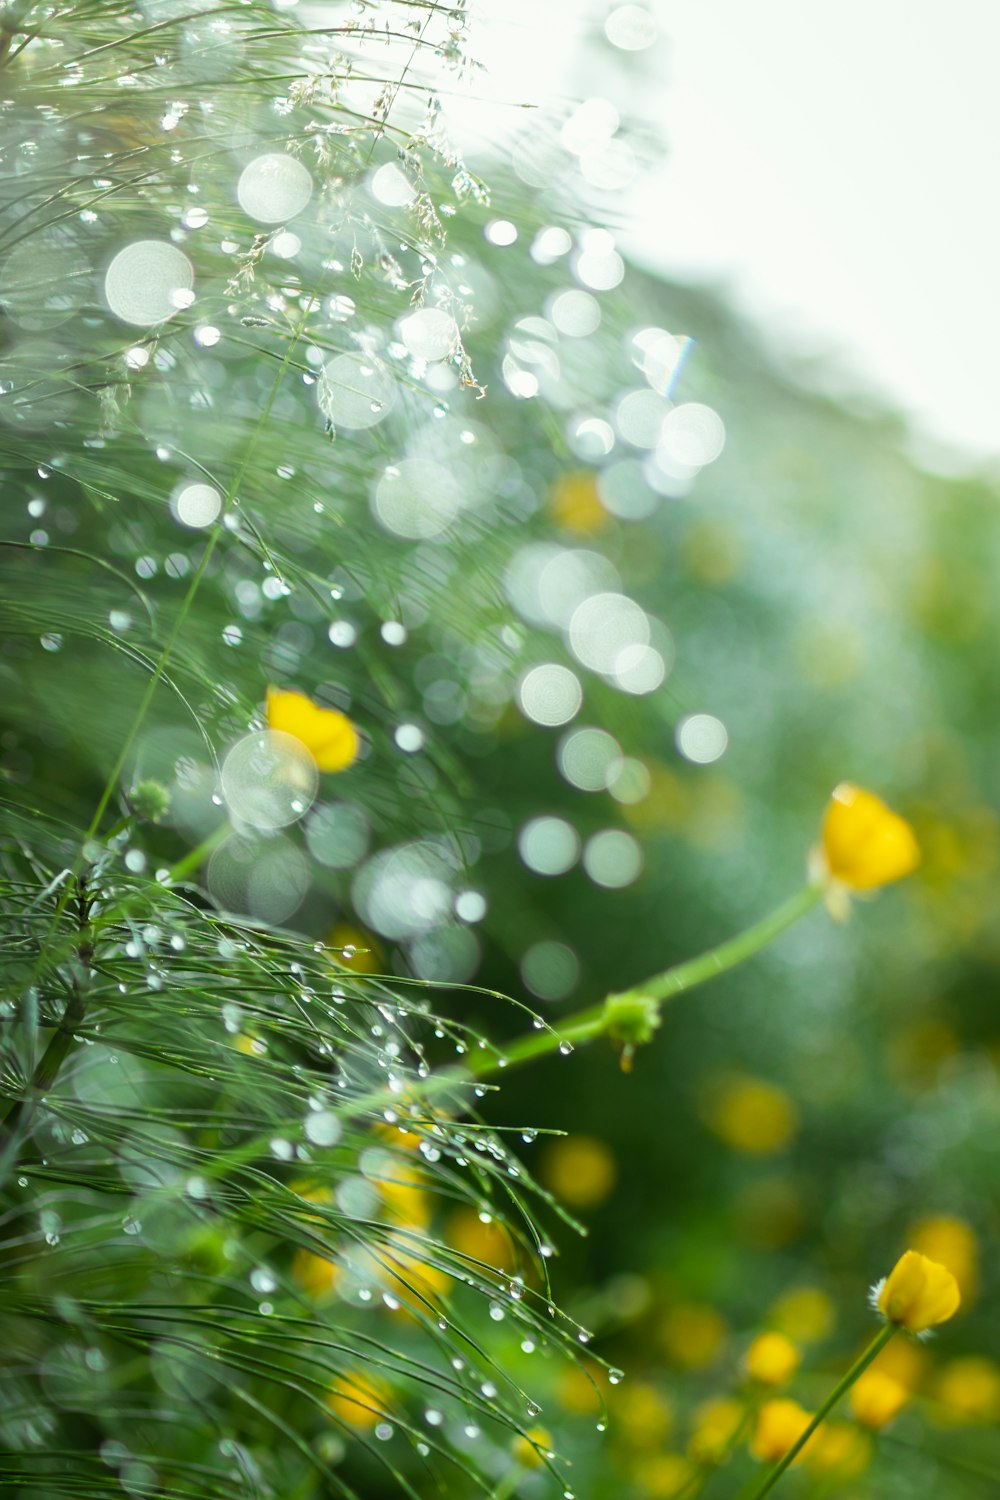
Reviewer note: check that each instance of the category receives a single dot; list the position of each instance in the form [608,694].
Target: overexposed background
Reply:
[833,170]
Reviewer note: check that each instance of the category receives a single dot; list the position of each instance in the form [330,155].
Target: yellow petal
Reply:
[918,1293]
[327,734]
[865,844]
[780,1424]
[877,1398]
[772,1359]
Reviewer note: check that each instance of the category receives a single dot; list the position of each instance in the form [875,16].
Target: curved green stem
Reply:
[843,1385]
[638,1007]
[645,999]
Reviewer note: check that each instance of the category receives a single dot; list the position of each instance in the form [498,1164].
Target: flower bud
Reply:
[917,1294]
[328,735]
[864,844]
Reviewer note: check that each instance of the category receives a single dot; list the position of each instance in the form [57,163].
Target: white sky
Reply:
[835,168]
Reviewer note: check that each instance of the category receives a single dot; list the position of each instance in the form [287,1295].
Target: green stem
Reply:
[508,1484]
[843,1385]
[729,954]
[598,1020]
[586,1025]
[51,1060]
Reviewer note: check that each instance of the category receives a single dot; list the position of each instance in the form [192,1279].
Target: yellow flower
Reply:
[864,844]
[328,735]
[780,1424]
[804,1313]
[952,1243]
[917,1294]
[748,1114]
[466,1233]
[839,1448]
[641,1416]
[575,503]
[531,1448]
[877,1398]
[692,1334]
[772,1359]
[358,1399]
[716,1424]
[580,1170]
[315,1274]
[969,1390]
[663,1476]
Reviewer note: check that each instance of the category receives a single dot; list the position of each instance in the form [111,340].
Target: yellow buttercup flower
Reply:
[716,1425]
[749,1114]
[841,1449]
[531,1449]
[580,1170]
[804,1313]
[328,735]
[772,1359]
[780,1424]
[864,844]
[877,1398]
[969,1390]
[951,1242]
[663,1476]
[357,1399]
[917,1294]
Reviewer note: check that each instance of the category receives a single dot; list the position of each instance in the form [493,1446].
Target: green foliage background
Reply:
[222,1108]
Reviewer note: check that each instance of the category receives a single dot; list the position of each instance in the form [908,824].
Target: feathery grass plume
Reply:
[232,334]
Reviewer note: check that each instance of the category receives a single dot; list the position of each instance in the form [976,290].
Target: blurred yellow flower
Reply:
[575,503]
[358,1399]
[692,1334]
[663,1476]
[877,1398]
[406,1194]
[640,1415]
[466,1233]
[905,1360]
[952,1243]
[314,1274]
[780,1424]
[804,1313]
[968,1390]
[580,1170]
[772,1359]
[840,1449]
[530,1448]
[864,844]
[409,1275]
[917,1294]
[355,950]
[748,1114]
[578,1390]
[328,735]
[714,1430]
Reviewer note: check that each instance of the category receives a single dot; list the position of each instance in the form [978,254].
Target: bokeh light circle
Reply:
[701,738]
[274,188]
[549,845]
[612,858]
[196,504]
[148,282]
[603,626]
[550,694]
[354,392]
[269,779]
